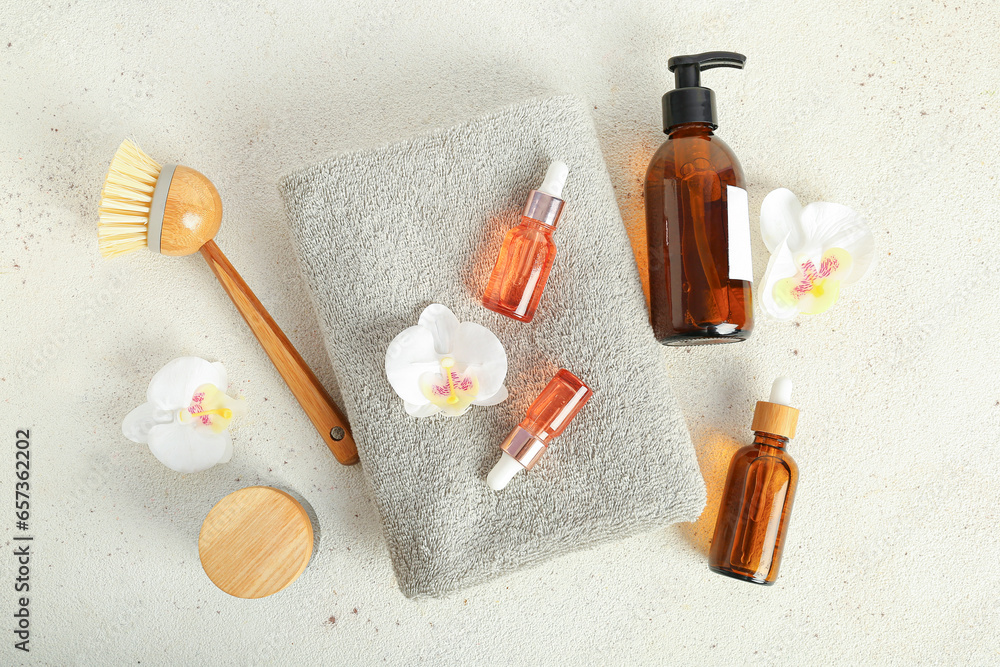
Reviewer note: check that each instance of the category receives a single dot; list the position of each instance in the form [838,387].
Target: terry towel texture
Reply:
[382,234]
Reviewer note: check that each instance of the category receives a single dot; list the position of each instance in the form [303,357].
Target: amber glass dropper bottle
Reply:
[757,499]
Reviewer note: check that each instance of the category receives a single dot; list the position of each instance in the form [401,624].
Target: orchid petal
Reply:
[424,410]
[410,355]
[187,448]
[496,398]
[781,220]
[237,405]
[837,226]
[836,264]
[223,382]
[780,267]
[227,455]
[174,384]
[477,348]
[141,420]
[442,324]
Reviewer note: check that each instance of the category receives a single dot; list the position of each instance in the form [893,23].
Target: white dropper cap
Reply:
[555,179]
[503,472]
[781,391]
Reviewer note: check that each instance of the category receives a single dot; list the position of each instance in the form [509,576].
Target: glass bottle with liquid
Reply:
[757,499]
[526,256]
[697,218]
[547,417]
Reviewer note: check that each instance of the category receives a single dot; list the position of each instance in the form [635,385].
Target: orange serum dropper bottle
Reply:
[527,253]
[757,499]
[547,417]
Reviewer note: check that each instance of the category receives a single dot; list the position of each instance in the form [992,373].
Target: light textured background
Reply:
[888,107]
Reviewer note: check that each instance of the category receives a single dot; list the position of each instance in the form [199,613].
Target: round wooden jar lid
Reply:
[255,541]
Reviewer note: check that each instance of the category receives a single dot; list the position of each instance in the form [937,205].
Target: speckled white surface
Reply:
[888,107]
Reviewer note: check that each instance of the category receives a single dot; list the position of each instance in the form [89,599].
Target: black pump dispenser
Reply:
[689,102]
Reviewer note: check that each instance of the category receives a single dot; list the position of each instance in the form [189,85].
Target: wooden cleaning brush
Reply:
[175,210]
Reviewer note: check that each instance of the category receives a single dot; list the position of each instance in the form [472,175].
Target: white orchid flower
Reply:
[441,365]
[186,418]
[814,250]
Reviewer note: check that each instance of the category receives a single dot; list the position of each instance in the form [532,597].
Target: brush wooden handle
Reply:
[300,379]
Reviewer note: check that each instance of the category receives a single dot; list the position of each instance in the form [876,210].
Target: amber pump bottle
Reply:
[757,499]
[697,218]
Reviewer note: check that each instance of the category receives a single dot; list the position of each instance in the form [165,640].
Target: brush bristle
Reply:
[125,199]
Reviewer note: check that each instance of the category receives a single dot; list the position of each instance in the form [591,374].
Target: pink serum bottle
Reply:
[526,257]
[547,418]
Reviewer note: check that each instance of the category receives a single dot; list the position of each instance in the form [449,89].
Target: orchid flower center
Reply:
[451,390]
[446,365]
[209,407]
[814,289]
[225,413]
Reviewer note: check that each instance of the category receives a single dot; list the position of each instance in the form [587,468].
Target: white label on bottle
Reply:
[740,261]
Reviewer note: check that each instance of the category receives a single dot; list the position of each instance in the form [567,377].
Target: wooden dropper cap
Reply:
[775,415]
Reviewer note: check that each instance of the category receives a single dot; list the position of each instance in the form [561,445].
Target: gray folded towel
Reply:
[384,233]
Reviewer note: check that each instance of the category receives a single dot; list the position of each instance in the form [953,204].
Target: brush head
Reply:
[175,215]
[125,201]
